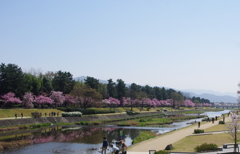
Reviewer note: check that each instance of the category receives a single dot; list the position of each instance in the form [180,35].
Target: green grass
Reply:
[189,143]
[146,121]
[144,135]
[9,113]
[219,127]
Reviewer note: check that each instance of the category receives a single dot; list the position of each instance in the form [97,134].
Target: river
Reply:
[88,140]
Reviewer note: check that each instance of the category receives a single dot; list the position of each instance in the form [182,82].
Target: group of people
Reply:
[115,149]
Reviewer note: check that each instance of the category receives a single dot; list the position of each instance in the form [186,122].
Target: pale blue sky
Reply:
[181,44]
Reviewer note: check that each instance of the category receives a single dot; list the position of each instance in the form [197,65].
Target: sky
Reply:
[179,44]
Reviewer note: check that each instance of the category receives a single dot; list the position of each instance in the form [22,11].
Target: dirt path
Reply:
[160,143]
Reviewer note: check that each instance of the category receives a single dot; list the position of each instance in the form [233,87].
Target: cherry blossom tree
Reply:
[146,101]
[79,101]
[126,101]
[69,100]
[42,100]
[106,102]
[10,99]
[233,128]
[188,103]
[28,100]
[57,97]
[114,102]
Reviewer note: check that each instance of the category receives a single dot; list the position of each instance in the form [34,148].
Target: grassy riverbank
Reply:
[190,142]
[10,113]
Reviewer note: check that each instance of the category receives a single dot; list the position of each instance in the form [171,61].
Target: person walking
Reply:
[124,147]
[199,124]
[104,145]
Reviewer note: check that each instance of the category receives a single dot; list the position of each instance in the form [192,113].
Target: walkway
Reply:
[160,142]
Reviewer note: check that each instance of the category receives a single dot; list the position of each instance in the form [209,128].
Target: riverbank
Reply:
[160,142]
[26,121]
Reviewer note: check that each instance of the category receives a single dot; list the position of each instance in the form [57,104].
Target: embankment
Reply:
[27,121]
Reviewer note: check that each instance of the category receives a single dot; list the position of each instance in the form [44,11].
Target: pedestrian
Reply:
[212,120]
[199,124]
[104,145]
[115,150]
[124,147]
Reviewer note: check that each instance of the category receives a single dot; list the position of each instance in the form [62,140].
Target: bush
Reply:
[71,114]
[84,122]
[161,152]
[36,114]
[197,131]
[142,120]
[221,122]
[86,111]
[132,113]
[39,125]
[206,147]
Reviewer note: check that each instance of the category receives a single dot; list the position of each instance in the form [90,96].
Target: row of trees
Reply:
[57,99]
[13,80]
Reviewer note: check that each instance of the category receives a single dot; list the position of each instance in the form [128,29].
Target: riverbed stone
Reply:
[169,147]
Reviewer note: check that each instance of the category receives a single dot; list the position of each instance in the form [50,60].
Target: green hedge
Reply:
[161,152]
[197,131]
[206,147]
[221,122]
[86,111]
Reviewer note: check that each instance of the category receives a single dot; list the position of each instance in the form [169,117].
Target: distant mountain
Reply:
[213,96]
[202,91]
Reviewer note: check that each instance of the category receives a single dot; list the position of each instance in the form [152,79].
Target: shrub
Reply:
[71,114]
[62,108]
[142,120]
[132,113]
[221,122]
[161,152]
[84,122]
[206,147]
[39,125]
[36,114]
[197,131]
[87,111]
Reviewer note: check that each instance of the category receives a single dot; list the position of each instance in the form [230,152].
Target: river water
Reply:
[88,140]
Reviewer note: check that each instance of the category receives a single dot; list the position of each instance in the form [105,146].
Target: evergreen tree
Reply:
[63,82]
[11,79]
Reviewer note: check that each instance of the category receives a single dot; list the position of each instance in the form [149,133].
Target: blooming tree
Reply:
[114,102]
[188,103]
[79,101]
[57,97]
[10,99]
[28,100]
[233,128]
[126,101]
[41,100]
[106,102]
[69,100]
